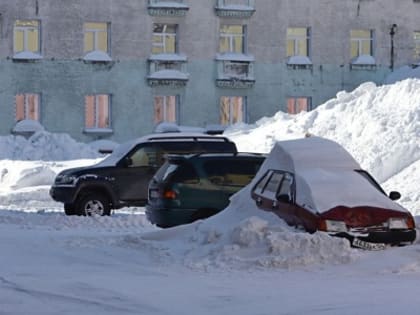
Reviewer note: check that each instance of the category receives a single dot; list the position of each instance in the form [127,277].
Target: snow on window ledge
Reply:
[299,60]
[27,125]
[235,57]
[168,57]
[97,55]
[363,60]
[98,130]
[26,55]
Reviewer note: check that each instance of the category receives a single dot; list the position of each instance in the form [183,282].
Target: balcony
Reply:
[235,8]
[235,71]
[167,8]
[167,70]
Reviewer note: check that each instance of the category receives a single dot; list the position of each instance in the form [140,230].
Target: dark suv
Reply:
[187,188]
[121,179]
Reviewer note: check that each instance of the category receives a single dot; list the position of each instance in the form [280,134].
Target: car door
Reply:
[274,192]
[135,171]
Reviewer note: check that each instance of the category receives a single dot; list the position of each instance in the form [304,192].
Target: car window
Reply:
[259,187]
[272,186]
[145,156]
[185,174]
[231,172]
[286,186]
[371,180]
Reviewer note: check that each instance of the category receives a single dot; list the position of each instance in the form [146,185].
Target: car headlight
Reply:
[397,224]
[65,180]
[333,226]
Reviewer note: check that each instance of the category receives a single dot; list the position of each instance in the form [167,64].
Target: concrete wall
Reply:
[63,78]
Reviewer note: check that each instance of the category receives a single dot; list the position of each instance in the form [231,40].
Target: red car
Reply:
[316,184]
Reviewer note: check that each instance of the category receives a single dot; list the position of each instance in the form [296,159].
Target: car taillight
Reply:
[169,194]
[332,226]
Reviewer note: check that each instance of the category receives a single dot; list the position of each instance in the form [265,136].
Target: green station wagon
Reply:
[191,187]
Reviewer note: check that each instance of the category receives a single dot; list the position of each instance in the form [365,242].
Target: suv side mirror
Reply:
[125,162]
[394,195]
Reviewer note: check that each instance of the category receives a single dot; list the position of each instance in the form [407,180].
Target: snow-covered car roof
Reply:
[325,175]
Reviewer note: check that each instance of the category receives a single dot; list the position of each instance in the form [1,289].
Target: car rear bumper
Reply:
[393,238]
[169,217]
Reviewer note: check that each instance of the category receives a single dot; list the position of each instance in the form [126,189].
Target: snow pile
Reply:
[379,126]
[242,236]
[44,146]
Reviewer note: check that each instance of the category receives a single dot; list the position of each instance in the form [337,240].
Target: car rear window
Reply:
[235,172]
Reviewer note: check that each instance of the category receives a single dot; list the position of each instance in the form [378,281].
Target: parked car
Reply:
[122,179]
[188,188]
[316,184]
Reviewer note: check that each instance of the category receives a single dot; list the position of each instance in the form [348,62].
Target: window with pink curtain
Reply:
[296,105]
[97,111]
[165,108]
[232,109]
[27,107]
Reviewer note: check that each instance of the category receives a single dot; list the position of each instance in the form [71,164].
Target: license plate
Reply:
[367,245]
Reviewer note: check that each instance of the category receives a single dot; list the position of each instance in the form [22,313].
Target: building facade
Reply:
[114,69]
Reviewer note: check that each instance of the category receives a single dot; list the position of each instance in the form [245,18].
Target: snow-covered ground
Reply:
[241,261]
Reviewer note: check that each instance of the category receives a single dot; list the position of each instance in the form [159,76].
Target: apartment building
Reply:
[114,69]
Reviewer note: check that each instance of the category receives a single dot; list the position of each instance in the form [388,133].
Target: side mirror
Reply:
[126,162]
[394,195]
[283,198]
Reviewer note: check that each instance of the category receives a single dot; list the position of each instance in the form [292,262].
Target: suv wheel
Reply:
[94,204]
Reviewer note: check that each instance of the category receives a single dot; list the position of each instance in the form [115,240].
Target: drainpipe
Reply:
[392,33]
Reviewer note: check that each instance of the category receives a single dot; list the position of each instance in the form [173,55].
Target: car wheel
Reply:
[69,209]
[94,204]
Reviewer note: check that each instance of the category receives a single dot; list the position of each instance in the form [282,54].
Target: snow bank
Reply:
[379,126]
[44,146]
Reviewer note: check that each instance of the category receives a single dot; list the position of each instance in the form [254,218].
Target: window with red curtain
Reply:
[97,111]
[296,105]
[27,106]
[165,108]
[232,109]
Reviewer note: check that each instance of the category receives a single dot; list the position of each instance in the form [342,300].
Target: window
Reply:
[361,43]
[232,109]
[165,108]
[26,36]
[296,105]
[416,52]
[236,69]
[232,39]
[97,111]
[27,107]
[298,41]
[164,39]
[96,37]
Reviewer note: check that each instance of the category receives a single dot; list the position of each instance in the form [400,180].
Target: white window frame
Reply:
[231,117]
[297,39]
[26,30]
[162,44]
[361,40]
[232,37]
[96,32]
